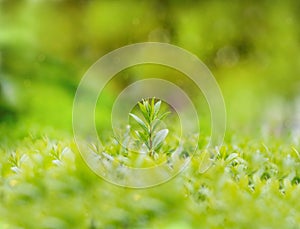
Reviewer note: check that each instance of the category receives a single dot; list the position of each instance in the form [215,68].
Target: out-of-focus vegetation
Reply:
[251,47]
[45,184]
[46,46]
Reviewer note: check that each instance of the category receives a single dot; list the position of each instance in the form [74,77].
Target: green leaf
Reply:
[152,110]
[147,106]
[155,124]
[156,108]
[164,115]
[159,138]
[139,121]
[144,111]
[143,137]
[142,107]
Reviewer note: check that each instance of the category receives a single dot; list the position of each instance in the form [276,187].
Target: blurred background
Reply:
[251,47]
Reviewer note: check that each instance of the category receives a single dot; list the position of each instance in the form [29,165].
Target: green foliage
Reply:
[238,58]
[149,135]
[53,188]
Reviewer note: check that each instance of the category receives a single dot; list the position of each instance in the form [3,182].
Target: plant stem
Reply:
[150,141]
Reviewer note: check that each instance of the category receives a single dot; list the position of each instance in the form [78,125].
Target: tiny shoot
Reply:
[150,135]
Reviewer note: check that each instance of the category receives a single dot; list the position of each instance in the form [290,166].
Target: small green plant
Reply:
[149,134]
